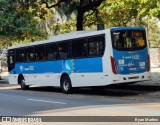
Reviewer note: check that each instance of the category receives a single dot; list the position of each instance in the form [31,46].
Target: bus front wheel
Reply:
[22,84]
[66,85]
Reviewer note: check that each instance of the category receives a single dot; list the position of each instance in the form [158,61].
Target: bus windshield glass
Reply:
[128,39]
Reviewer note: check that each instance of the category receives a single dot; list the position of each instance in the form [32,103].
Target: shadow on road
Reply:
[111,90]
[116,90]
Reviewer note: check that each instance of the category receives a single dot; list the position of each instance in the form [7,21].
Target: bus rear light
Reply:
[113,63]
[148,63]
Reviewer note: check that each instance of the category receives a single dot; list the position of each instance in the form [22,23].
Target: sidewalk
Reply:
[155,72]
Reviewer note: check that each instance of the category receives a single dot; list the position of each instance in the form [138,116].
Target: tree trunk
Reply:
[79,23]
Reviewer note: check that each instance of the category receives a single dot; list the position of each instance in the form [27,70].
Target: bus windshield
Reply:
[128,39]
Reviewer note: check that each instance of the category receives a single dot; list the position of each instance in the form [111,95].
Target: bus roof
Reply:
[56,38]
[71,35]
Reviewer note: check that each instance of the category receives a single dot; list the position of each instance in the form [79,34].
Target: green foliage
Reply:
[153,26]
[124,12]
[65,27]
[118,12]
[17,23]
[150,7]
[23,21]
[78,7]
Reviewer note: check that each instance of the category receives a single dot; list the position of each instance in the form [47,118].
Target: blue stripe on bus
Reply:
[88,65]
[84,65]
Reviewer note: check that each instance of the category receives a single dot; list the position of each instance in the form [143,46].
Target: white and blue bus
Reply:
[82,59]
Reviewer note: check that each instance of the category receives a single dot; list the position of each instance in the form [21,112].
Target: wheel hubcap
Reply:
[66,85]
[22,82]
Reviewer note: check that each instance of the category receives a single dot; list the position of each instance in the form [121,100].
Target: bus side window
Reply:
[40,53]
[63,50]
[20,55]
[30,56]
[51,52]
[96,46]
[79,48]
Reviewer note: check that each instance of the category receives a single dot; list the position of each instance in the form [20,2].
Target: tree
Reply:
[16,23]
[65,27]
[153,28]
[150,8]
[78,6]
[119,12]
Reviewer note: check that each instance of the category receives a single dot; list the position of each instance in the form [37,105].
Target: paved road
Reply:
[140,99]
[41,101]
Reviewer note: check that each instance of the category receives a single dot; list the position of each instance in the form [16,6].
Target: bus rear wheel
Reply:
[22,84]
[66,85]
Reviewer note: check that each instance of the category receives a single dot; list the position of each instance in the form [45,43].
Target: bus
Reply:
[82,59]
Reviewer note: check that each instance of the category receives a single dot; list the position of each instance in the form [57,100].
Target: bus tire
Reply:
[22,84]
[66,85]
